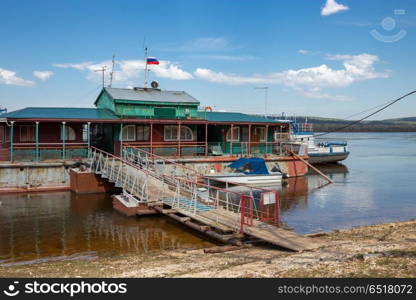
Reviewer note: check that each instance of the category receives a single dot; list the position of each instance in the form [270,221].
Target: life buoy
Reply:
[208,108]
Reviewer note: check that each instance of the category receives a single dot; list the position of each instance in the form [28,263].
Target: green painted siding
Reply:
[165,112]
[142,109]
[157,112]
[105,101]
[134,110]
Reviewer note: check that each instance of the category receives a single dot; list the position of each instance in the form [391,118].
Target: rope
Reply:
[368,116]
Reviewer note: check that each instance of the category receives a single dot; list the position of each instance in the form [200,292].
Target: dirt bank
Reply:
[386,250]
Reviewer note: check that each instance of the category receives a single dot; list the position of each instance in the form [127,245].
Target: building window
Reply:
[186,134]
[261,133]
[85,132]
[142,132]
[129,133]
[70,134]
[171,133]
[27,133]
[236,135]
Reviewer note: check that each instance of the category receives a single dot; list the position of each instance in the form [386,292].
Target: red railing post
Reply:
[242,205]
[277,209]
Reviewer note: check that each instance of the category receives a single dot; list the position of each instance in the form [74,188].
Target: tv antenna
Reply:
[112,70]
[266,89]
[103,69]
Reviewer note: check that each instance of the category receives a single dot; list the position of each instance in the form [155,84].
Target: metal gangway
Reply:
[143,175]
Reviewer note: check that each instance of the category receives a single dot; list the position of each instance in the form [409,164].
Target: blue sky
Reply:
[317,57]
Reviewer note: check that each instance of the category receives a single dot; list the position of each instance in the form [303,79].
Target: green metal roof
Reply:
[235,117]
[153,96]
[60,113]
[105,114]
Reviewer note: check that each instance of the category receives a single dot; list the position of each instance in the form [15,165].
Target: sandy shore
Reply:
[386,250]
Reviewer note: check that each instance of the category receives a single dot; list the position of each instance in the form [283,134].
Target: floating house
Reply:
[164,123]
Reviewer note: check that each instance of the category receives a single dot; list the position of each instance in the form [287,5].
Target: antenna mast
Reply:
[112,71]
[103,68]
[145,69]
[266,89]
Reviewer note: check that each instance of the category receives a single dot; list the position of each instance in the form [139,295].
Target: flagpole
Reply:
[145,69]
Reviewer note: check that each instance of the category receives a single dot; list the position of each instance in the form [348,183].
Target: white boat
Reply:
[322,152]
[248,171]
[241,178]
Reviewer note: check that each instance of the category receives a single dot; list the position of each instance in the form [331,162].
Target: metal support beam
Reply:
[63,140]
[121,139]
[231,139]
[267,140]
[151,138]
[179,140]
[37,141]
[249,139]
[206,139]
[11,140]
[88,138]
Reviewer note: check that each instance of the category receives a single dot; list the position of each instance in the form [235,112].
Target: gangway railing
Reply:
[265,211]
[189,196]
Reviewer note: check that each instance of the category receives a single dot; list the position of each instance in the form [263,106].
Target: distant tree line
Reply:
[390,125]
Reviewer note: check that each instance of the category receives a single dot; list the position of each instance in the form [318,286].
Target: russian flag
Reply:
[152,61]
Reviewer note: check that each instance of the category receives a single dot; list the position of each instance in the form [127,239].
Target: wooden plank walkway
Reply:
[266,232]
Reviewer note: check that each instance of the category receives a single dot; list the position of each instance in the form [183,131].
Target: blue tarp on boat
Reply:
[250,166]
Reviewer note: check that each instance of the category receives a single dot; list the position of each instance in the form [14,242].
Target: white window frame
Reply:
[173,134]
[27,139]
[189,131]
[125,134]
[142,132]
[261,132]
[85,132]
[236,137]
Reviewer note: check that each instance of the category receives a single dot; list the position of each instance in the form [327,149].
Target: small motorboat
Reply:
[249,171]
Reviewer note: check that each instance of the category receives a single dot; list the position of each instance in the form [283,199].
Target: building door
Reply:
[102,137]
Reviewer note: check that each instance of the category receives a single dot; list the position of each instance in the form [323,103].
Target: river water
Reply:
[376,184]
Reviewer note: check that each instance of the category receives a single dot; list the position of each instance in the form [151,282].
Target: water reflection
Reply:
[36,226]
[294,195]
[374,185]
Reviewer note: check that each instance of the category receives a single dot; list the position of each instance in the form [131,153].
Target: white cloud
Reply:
[309,52]
[317,93]
[303,51]
[230,79]
[43,75]
[127,72]
[80,66]
[9,77]
[332,7]
[308,81]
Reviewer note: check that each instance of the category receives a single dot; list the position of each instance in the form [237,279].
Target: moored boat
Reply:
[249,171]
[322,152]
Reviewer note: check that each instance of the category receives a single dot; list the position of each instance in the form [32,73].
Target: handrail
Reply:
[198,173]
[167,176]
[180,193]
